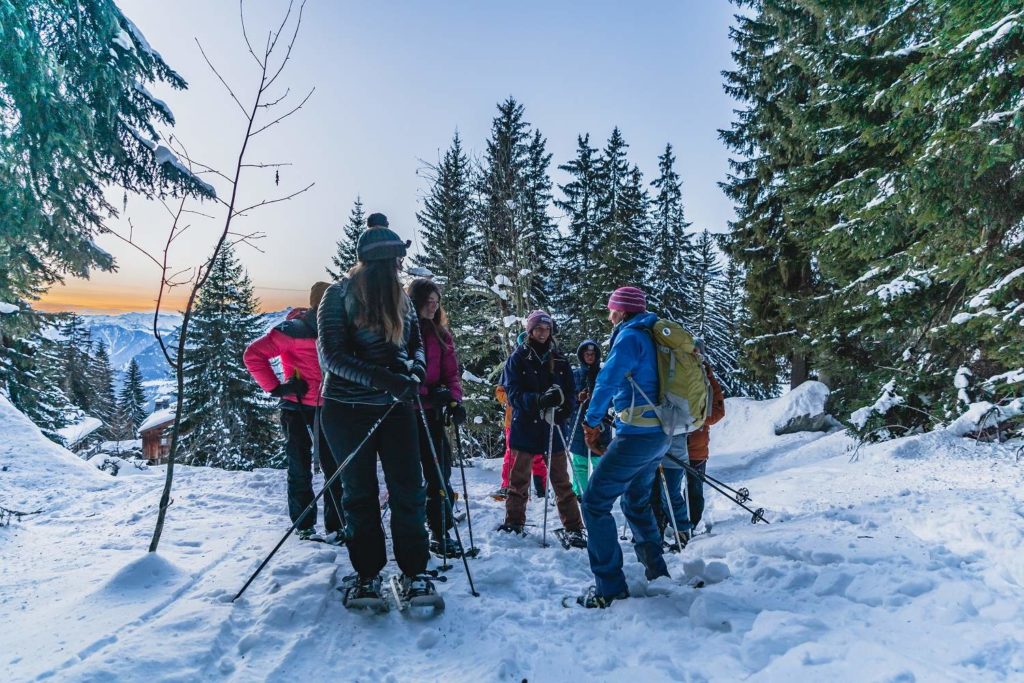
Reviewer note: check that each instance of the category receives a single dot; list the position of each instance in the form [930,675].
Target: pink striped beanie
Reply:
[628,300]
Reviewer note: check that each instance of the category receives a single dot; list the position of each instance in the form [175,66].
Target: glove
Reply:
[458,413]
[583,396]
[592,437]
[552,398]
[440,396]
[416,370]
[296,387]
[402,387]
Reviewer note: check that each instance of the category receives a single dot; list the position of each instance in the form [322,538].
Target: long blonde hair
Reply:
[382,303]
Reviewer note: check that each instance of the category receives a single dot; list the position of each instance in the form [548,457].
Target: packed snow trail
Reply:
[896,562]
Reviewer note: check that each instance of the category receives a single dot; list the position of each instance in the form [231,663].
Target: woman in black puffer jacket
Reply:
[372,355]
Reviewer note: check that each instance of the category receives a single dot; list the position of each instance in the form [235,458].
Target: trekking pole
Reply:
[443,488]
[758,514]
[312,504]
[742,494]
[671,509]
[473,550]
[314,440]
[547,464]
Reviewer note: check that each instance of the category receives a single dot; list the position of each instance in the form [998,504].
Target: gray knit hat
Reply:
[378,242]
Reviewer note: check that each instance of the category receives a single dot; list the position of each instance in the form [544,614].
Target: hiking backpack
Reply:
[684,392]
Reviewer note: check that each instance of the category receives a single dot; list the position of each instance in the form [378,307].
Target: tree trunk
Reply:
[800,365]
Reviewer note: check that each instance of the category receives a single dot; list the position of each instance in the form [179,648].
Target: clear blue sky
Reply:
[393,82]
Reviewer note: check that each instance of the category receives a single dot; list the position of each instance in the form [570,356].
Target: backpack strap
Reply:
[634,414]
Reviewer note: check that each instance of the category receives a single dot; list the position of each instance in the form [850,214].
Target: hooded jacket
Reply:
[351,355]
[528,374]
[631,355]
[294,342]
[584,377]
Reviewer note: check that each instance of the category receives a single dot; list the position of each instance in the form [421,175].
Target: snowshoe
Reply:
[511,529]
[448,548]
[309,535]
[362,593]
[572,539]
[591,600]
[416,594]
[500,494]
[672,546]
[335,538]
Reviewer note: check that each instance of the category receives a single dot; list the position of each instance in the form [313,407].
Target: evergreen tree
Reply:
[516,235]
[670,279]
[227,422]
[75,118]
[773,82]
[346,256]
[706,273]
[131,403]
[881,145]
[579,248]
[75,346]
[450,245]
[34,367]
[101,383]
[623,231]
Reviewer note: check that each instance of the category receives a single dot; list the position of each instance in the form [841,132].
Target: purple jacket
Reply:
[442,365]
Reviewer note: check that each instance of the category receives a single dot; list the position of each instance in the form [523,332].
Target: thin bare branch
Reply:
[221,78]
[128,240]
[241,16]
[288,52]
[273,103]
[284,116]
[284,22]
[267,202]
[281,165]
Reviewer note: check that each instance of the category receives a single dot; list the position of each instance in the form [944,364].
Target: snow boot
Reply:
[450,547]
[538,485]
[651,558]
[363,593]
[591,600]
[572,539]
[511,529]
[310,534]
[416,592]
[500,494]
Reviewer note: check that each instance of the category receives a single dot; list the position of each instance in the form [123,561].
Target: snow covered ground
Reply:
[896,562]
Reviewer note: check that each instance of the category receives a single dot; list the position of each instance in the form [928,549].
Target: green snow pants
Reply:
[580,475]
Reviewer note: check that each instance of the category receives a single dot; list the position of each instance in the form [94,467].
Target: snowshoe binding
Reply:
[416,594]
[500,494]
[572,539]
[448,547]
[511,529]
[309,534]
[363,593]
[591,600]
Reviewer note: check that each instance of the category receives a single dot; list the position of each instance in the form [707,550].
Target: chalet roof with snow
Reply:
[157,419]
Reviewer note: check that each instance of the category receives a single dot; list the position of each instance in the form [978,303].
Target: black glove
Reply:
[458,413]
[552,398]
[440,397]
[402,387]
[416,370]
[296,387]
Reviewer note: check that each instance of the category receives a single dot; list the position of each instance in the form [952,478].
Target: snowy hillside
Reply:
[896,562]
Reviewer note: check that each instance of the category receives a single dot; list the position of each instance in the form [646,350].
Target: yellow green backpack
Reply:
[684,392]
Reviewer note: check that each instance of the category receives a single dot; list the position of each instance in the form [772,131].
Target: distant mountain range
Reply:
[130,335]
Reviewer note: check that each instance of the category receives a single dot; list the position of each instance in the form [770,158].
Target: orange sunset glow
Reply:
[87,297]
